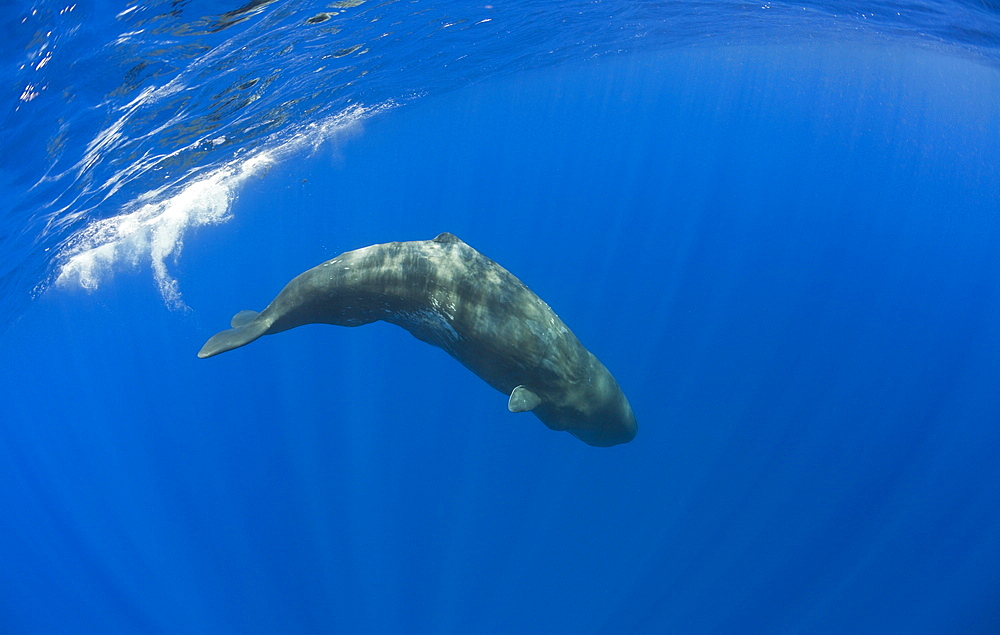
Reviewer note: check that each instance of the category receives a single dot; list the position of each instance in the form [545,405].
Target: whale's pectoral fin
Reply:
[522,400]
[246,328]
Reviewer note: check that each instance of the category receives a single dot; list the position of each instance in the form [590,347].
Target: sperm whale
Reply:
[449,295]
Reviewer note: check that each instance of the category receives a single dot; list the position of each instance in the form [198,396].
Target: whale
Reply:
[449,295]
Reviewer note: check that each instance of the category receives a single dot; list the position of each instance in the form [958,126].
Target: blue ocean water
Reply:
[776,224]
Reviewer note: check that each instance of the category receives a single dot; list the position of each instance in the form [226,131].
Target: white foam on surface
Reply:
[155,231]
[153,227]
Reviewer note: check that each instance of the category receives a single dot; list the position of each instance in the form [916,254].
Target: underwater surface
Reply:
[776,224]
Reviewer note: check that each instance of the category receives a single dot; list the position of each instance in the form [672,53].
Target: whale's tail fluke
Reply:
[246,328]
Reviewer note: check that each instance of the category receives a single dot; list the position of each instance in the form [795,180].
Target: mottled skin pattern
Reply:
[450,295]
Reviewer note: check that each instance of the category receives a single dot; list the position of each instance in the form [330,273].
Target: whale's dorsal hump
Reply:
[522,400]
[446,237]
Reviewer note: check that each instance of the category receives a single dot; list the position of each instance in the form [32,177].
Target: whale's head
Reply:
[594,410]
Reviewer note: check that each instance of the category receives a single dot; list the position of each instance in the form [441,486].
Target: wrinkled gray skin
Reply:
[450,295]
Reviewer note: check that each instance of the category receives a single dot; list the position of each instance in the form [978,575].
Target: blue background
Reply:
[788,255]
